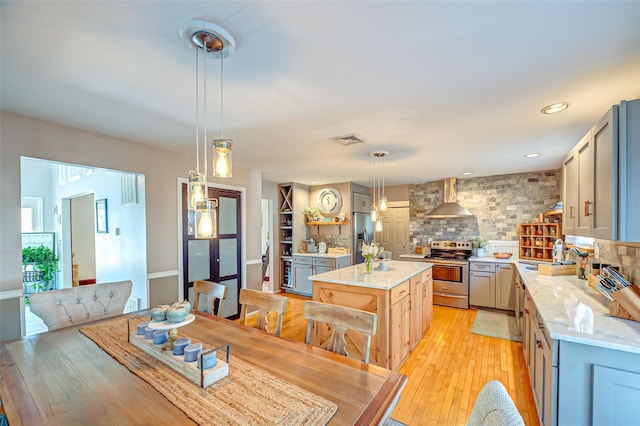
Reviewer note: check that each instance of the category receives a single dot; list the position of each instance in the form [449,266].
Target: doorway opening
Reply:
[97,220]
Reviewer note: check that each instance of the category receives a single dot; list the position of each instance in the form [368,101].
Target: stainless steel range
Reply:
[450,272]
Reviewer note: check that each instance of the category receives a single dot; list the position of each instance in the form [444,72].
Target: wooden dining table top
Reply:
[62,377]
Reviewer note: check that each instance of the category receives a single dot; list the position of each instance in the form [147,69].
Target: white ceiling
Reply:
[445,87]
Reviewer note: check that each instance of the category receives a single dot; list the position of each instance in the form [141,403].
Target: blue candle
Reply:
[208,360]
[141,327]
[148,333]
[180,344]
[191,352]
[160,336]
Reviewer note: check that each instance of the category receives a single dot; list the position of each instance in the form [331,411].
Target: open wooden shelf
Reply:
[536,240]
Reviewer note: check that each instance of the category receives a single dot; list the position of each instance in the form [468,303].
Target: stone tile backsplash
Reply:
[499,204]
[625,255]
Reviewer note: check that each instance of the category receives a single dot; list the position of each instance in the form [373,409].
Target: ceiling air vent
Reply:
[349,139]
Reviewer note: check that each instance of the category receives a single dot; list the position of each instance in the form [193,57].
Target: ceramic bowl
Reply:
[502,255]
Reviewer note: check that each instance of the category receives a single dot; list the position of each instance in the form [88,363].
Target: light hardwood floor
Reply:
[447,369]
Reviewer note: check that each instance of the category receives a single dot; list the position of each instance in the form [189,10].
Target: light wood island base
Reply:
[404,308]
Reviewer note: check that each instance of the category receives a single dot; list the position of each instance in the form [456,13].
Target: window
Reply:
[31,214]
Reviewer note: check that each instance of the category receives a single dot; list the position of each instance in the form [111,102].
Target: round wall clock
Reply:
[329,202]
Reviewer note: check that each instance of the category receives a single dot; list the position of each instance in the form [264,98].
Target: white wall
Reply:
[23,136]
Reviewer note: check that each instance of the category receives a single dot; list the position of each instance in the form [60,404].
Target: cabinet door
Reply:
[427,303]
[482,290]
[544,379]
[400,337]
[570,193]
[584,223]
[604,140]
[301,281]
[608,385]
[505,287]
[415,328]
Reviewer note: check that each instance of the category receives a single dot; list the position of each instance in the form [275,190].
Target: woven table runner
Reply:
[247,396]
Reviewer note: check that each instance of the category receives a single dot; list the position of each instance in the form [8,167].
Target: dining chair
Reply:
[340,319]
[215,291]
[265,302]
[494,406]
[77,305]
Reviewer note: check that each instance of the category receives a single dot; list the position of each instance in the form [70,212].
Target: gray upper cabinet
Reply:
[570,196]
[599,175]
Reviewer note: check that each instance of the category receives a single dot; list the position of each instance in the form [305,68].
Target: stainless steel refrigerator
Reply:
[362,231]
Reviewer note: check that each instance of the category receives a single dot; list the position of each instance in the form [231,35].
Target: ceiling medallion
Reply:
[198,33]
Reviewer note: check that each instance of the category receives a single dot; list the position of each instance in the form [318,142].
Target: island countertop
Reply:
[397,272]
[574,312]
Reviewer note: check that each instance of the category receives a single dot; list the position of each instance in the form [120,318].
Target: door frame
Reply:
[243,231]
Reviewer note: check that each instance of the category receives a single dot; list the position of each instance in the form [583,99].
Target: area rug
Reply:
[247,396]
[496,324]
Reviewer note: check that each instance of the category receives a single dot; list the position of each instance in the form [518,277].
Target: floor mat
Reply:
[497,324]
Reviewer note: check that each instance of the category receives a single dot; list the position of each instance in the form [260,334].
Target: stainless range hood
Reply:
[450,207]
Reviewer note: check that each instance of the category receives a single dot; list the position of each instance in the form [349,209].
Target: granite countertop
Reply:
[574,312]
[491,259]
[332,256]
[397,272]
[412,256]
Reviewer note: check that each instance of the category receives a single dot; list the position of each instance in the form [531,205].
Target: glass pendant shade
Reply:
[222,158]
[379,226]
[383,204]
[196,189]
[206,219]
[374,214]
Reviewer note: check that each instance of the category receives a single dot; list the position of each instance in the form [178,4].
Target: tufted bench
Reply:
[72,306]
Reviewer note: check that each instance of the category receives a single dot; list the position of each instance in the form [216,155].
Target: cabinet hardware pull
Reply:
[586,208]
[539,344]
[571,216]
[540,325]
[526,311]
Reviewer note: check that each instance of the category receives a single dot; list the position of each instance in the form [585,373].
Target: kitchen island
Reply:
[401,296]
[584,365]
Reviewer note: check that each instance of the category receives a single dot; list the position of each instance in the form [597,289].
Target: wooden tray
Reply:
[557,269]
[189,370]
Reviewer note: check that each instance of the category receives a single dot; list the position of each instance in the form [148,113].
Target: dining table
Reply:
[63,377]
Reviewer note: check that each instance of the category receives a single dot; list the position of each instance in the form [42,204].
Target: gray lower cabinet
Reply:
[492,285]
[579,384]
[541,357]
[305,266]
[597,386]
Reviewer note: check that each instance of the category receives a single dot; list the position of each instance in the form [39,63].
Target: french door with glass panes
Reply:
[216,259]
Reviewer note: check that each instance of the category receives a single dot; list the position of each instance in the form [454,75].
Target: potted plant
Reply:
[39,265]
[310,213]
[479,243]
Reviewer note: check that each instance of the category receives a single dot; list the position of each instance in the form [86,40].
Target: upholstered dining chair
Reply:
[494,407]
[213,290]
[340,319]
[77,305]
[265,302]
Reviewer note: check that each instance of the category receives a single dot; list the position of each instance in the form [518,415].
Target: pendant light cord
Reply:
[221,95]
[204,61]
[197,115]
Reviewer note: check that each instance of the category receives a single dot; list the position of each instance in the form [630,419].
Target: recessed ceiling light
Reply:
[466,173]
[554,108]
[313,182]
[531,155]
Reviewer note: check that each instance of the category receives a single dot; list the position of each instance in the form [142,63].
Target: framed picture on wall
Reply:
[102,224]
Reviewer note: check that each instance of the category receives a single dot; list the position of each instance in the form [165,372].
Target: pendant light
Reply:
[379,199]
[210,40]
[222,147]
[197,180]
